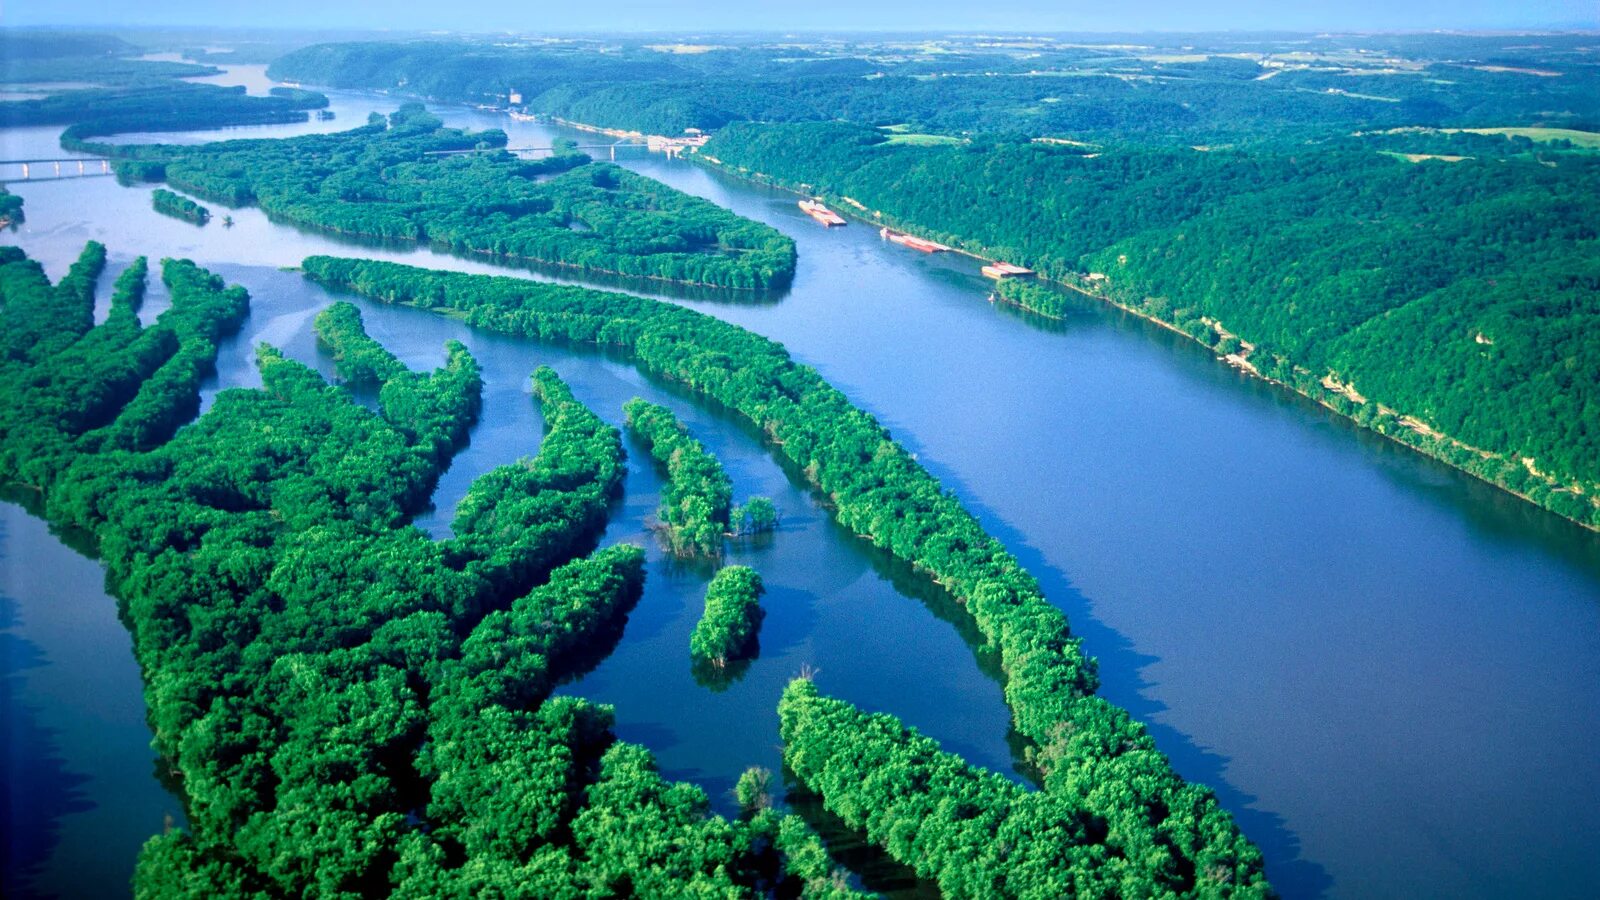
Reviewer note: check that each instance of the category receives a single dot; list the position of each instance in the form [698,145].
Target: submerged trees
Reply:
[1090,752]
[349,707]
[727,629]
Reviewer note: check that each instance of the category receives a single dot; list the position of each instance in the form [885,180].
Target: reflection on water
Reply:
[1384,667]
[80,797]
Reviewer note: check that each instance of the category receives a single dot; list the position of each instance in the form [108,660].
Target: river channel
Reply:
[1388,671]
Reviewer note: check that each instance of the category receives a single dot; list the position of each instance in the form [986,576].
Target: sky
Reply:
[838,15]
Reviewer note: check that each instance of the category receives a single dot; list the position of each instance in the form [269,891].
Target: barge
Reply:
[915,243]
[816,210]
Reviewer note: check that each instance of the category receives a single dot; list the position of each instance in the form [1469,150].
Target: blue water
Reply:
[1386,669]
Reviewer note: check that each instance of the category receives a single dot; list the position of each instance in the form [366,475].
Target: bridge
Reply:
[52,169]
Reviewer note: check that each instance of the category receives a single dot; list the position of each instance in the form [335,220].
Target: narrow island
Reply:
[697,505]
[179,207]
[406,177]
[349,707]
[1168,835]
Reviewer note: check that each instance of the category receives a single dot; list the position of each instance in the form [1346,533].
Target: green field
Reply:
[1586,139]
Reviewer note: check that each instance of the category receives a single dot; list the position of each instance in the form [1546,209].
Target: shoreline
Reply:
[1407,424]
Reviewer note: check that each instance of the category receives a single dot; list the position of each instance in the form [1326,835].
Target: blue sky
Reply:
[901,15]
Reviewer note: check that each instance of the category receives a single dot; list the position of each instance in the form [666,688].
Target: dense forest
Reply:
[93,87]
[1173,836]
[1454,297]
[349,707]
[1358,245]
[400,179]
[179,207]
[697,505]
[727,629]
[28,55]
[1169,89]
[96,112]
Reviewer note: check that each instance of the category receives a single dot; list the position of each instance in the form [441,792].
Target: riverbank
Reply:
[1569,501]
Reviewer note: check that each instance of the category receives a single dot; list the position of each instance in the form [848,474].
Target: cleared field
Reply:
[902,134]
[1587,139]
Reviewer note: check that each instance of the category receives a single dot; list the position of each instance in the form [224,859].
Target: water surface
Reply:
[1386,669]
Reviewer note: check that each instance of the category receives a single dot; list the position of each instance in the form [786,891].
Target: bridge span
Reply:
[14,170]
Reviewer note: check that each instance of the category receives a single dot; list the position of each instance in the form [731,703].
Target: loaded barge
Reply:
[1002,270]
[816,210]
[915,243]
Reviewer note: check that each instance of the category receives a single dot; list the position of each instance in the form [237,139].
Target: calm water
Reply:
[1389,671]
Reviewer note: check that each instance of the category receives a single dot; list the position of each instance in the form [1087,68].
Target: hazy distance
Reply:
[833,15]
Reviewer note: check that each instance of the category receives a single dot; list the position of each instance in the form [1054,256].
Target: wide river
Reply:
[1388,671]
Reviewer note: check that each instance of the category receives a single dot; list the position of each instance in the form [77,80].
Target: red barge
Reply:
[915,243]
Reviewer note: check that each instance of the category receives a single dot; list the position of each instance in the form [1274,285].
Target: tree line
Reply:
[1085,748]
[1456,293]
[697,508]
[398,179]
[349,707]
[1217,92]
[179,207]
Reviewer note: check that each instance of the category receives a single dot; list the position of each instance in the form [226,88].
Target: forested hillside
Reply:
[1170,89]
[398,179]
[349,707]
[28,55]
[1461,293]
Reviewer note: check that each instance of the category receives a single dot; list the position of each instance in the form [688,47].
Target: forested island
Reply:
[727,629]
[408,178]
[179,207]
[1361,246]
[697,509]
[349,707]
[1154,832]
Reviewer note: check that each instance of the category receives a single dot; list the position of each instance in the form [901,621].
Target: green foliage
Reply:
[517,520]
[179,207]
[130,172]
[1461,294]
[754,790]
[695,505]
[980,835]
[350,708]
[879,491]
[398,183]
[1200,89]
[727,629]
[159,106]
[756,516]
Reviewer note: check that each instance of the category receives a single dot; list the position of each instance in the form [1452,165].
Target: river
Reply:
[1386,669]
